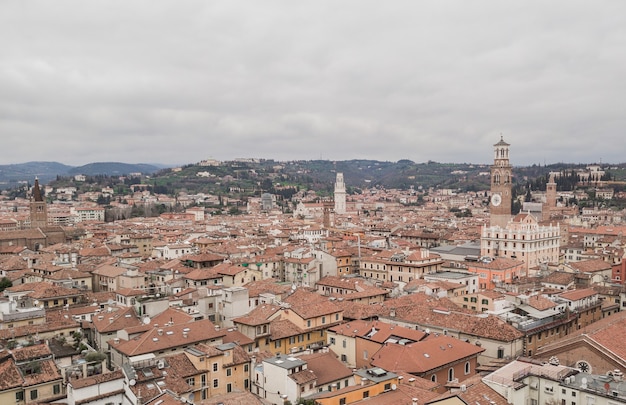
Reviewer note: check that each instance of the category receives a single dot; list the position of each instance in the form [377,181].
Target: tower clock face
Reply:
[496,200]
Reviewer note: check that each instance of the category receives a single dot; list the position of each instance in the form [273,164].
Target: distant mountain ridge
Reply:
[14,174]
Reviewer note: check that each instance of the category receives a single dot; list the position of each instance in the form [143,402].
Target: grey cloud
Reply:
[172,82]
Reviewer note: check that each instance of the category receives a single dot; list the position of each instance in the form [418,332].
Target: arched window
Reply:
[433,378]
[467,367]
[450,374]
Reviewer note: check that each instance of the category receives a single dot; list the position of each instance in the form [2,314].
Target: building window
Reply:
[229,372]
[433,378]
[345,343]
[229,387]
[19,396]
[364,354]
[366,394]
[191,381]
[245,368]
[216,383]
[467,367]
[214,367]
[450,374]
[332,340]
[33,394]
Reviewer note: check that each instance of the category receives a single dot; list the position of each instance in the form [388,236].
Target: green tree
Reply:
[5,283]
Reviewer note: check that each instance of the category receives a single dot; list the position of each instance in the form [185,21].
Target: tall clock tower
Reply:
[500,201]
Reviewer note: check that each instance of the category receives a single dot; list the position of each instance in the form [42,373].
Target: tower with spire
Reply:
[38,208]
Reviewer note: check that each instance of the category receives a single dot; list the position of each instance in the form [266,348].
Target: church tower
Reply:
[501,177]
[340,195]
[38,209]
[550,197]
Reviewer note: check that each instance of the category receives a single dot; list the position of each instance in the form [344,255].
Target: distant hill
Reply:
[11,176]
[113,169]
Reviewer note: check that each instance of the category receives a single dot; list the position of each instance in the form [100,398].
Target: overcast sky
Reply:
[176,82]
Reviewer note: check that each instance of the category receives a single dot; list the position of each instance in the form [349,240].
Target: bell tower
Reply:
[38,209]
[501,177]
[340,194]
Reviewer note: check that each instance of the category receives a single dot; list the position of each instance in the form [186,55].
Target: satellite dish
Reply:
[132,381]
[394,387]
[146,320]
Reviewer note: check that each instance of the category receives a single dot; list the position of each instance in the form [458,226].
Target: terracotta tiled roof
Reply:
[590,266]
[419,309]
[540,302]
[234,336]
[477,392]
[273,286]
[559,278]
[96,379]
[499,263]
[258,315]
[202,274]
[109,271]
[119,319]
[48,372]
[574,295]
[282,328]
[167,337]
[31,353]
[180,366]
[310,305]
[383,331]
[172,315]
[11,376]
[303,377]
[326,367]
[421,357]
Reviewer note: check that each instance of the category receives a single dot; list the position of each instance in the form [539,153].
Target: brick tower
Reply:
[501,177]
[38,209]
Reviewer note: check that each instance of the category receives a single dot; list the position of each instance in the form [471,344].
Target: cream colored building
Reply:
[522,239]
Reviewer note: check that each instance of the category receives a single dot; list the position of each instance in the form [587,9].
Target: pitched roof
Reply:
[326,367]
[258,315]
[377,331]
[421,357]
[310,305]
[122,318]
[476,392]
[168,337]
[590,266]
[578,294]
